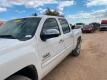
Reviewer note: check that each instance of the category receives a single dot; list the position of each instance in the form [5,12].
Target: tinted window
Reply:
[65,26]
[50,23]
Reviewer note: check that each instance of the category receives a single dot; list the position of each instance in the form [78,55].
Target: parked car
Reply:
[103,26]
[88,29]
[96,25]
[31,47]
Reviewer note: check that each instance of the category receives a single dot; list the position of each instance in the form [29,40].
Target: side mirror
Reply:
[50,33]
[73,27]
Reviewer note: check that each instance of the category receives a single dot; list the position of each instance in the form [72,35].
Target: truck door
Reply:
[51,43]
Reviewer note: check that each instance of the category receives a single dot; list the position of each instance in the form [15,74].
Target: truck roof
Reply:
[43,16]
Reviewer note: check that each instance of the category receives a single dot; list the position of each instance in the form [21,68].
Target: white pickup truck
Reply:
[31,47]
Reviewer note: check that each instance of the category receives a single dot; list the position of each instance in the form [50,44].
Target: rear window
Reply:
[65,26]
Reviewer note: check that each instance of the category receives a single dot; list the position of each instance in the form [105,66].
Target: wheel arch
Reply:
[79,38]
[29,71]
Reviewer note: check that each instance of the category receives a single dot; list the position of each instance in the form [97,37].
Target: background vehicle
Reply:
[103,25]
[96,25]
[31,47]
[79,25]
[88,29]
[1,23]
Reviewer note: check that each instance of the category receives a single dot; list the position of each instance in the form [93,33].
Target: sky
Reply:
[76,11]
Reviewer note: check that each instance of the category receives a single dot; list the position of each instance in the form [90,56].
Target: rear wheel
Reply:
[76,51]
[18,77]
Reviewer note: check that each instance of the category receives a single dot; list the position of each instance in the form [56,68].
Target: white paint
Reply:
[15,54]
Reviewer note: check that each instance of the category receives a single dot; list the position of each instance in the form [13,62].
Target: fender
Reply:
[16,60]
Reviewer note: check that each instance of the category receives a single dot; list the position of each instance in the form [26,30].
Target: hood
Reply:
[7,45]
[4,43]
[87,27]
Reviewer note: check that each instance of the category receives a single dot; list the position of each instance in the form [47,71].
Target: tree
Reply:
[35,14]
[52,13]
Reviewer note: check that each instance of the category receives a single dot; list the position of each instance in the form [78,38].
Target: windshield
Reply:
[22,29]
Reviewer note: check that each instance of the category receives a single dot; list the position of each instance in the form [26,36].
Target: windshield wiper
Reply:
[7,36]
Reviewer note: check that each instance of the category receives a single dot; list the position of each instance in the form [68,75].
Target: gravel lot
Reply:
[90,65]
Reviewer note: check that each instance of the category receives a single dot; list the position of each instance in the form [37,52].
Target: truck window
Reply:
[22,29]
[50,23]
[65,26]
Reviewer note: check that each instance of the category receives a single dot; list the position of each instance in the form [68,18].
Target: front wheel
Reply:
[76,51]
[18,77]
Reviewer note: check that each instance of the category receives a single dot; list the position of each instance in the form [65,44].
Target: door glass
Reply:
[50,23]
[64,25]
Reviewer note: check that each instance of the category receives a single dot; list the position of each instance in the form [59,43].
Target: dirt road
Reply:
[90,65]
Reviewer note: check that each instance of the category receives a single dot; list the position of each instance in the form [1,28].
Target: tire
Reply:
[18,77]
[76,51]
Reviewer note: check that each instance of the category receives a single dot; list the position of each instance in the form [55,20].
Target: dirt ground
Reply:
[90,65]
